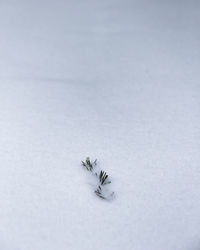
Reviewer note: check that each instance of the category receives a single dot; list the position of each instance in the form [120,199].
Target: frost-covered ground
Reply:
[114,80]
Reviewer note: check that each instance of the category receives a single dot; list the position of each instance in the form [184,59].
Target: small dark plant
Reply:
[88,164]
[102,178]
[98,192]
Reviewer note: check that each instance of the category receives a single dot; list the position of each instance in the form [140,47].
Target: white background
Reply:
[114,80]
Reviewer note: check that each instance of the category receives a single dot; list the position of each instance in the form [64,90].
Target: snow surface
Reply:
[114,80]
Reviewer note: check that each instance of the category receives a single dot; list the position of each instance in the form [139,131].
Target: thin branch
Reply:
[101,192]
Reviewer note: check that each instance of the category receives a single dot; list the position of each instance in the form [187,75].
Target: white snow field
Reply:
[114,80]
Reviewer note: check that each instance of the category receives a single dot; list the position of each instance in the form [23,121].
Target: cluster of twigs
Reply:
[102,179]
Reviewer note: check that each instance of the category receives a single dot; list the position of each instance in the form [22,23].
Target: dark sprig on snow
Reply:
[88,164]
[98,192]
[103,180]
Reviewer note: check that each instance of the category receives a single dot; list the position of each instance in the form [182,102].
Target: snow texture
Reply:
[114,80]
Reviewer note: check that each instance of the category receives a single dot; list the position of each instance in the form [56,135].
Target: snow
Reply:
[113,80]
